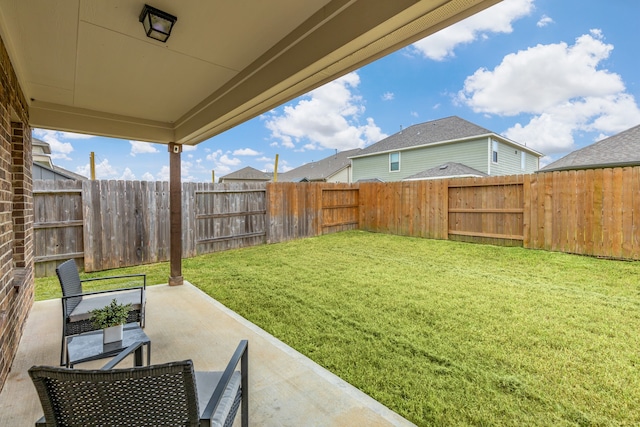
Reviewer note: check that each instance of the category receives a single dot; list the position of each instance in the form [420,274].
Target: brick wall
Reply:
[16,214]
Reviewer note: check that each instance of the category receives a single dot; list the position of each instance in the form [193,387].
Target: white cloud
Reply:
[221,162]
[148,177]
[246,152]
[561,91]
[164,174]
[388,96]
[189,147]
[104,170]
[140,147]
[229,161]
[72,135]
[544,21]
[496,19]
[540,77]
[327,117]
[553,131]
[127,175]
[283,166]
[59,149]
[186,171]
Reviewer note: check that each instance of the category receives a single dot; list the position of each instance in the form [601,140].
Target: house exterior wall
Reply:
[475,153]
[342,176]
[472,153]
[510,161]
[16,214]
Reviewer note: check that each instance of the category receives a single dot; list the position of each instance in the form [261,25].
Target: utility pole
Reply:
[92,165]
[275,170]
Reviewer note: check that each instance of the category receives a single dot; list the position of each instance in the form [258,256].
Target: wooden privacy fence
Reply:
[108,224]
[589,212]
[58,224]
[592,212]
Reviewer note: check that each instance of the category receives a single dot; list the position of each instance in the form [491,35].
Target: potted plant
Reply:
[111,319]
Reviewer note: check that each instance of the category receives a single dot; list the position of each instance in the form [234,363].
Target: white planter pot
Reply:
[112,334]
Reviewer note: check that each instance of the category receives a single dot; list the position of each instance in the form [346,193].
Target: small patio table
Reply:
[88,346]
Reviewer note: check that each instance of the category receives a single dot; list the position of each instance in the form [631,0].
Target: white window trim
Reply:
[494,149]
[399,165]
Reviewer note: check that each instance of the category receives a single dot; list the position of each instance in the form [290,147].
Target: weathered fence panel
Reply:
[340,208]
[126,223]
[228,216]
[58,224]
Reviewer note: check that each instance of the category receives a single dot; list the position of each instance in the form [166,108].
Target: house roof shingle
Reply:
[320,170]
[449,169]
[442,130]
[622,149]
[446,129]
[248,173]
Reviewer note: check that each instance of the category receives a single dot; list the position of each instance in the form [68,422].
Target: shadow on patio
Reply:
[286,388]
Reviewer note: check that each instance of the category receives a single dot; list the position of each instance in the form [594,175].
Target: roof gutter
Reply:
[445,177]
[593,166]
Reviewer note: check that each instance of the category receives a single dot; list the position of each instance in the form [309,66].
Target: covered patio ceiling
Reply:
[86,66]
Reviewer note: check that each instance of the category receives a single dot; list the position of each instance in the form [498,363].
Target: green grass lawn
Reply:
[444,333]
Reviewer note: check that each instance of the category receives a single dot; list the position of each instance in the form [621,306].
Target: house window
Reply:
[394,162]
[494,155]
[523,161]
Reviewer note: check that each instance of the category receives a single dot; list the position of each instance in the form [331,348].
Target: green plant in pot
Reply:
[111,319]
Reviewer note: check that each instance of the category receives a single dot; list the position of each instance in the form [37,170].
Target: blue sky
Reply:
[556,75]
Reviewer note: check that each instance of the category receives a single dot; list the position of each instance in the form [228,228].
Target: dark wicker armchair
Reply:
[169,394]
[77,305]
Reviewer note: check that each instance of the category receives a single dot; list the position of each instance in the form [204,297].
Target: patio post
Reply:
[175,215]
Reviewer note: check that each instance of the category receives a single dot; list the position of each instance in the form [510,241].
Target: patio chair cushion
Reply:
[83,310]
[206,383]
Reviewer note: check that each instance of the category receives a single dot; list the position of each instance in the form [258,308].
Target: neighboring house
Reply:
[622,149]
[447,170]
[432,144]
[335,168]
[43,167]
[247,174]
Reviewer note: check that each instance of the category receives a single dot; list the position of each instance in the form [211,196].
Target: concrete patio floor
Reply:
[285,387]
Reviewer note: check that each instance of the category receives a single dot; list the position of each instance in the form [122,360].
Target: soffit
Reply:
[86,65]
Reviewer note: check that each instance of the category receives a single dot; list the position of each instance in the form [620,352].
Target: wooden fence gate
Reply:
[487,210]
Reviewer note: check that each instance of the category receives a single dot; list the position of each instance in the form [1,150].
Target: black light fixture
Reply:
[157,24]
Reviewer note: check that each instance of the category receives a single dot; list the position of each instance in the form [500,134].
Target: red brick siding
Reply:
[16,214]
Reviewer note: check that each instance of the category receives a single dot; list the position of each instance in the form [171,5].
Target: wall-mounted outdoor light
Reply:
[157,24]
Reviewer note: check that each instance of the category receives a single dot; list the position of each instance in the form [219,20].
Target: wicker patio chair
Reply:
[168,394]
[77,305]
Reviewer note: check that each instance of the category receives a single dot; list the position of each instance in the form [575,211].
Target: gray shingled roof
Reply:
[448,169]
[622,149]
[248,173]
[447,129]
[320,170]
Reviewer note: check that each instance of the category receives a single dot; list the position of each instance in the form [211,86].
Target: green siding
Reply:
[470,153]
[476,154]
[533,163]
[510,162]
